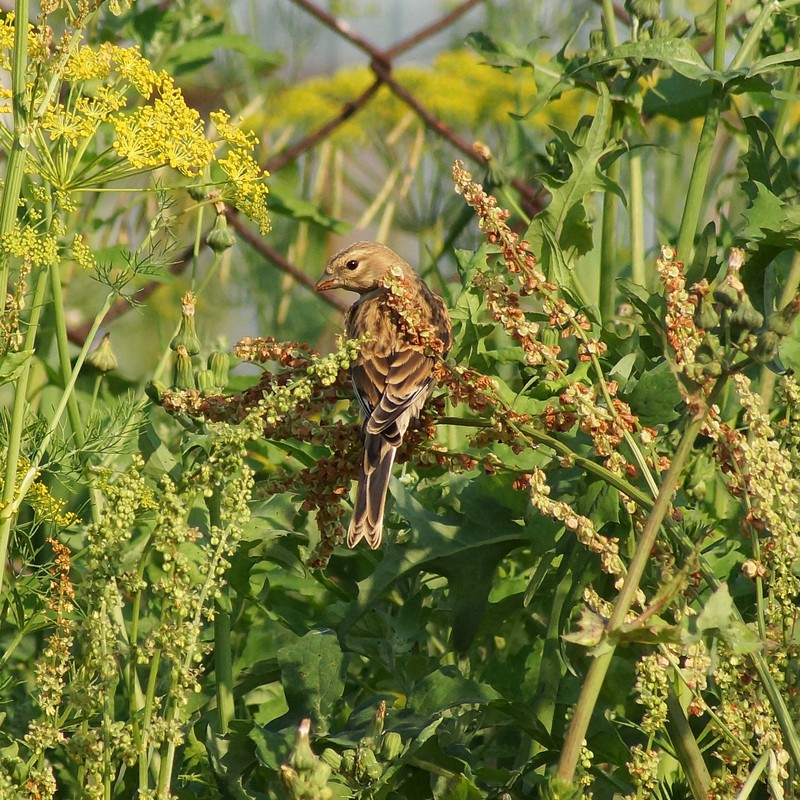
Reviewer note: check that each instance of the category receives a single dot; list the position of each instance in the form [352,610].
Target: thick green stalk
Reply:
[638,270]
[17,426]
[699,179]
[609,23]
[609,259]
[719,35]
[596,675]
[62,344]
[16,158]
[223,663]
[686,748]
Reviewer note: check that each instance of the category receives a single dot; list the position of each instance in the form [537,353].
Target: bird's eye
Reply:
[351,264]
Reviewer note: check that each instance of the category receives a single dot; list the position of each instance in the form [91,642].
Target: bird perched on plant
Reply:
[408,329]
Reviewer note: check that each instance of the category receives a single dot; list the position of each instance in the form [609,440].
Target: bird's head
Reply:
[360,267]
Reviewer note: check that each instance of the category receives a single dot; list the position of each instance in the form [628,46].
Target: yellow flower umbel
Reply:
[111,116]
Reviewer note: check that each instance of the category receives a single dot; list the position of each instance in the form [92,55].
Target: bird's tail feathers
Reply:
[373,483]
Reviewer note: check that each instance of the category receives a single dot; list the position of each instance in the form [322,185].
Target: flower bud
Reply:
[747,316]
[391,746]
[704,23]
[767,345]
[644,9]
[302,757]
[102,358]
[331,758]
[219,364]
[220,237]
[597,43]
[726,294]
[373,737]
[184,372]
[777,323]
[155,391]
[187,334]
[205,381]
[705,315]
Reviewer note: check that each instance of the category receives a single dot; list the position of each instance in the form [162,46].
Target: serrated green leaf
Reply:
[311,674]
[764,161]
[562,232]
[676,53]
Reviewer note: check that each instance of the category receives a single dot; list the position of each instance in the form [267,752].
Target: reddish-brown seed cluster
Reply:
[401,303]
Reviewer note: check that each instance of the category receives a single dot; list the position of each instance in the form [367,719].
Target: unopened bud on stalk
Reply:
[184,373]
[219,364]
[205,381]
[102,358]
[220,237]
[705,315]
[746,315]
[644,9]
[187,334]
[155,391]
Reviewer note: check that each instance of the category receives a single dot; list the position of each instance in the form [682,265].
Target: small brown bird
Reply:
[392,377]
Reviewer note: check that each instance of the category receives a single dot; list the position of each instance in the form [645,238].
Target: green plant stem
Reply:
[686,748]
[609,23]
[223,661]
[15,167]
[609,259]
[697,183]
[638,271]
[30,475]
[62,344]
[595,677]
[719,35]
[149,702]
[16,427]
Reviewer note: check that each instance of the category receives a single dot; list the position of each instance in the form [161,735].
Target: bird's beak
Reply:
[326,282]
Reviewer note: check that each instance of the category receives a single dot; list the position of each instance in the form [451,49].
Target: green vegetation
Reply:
[591,567]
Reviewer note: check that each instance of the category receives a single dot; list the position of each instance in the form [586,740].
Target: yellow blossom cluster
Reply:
[39,249]
[82,253]
[113,93]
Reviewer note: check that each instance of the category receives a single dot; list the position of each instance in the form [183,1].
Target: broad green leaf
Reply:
[562,232]
[453,545]
[655,398]
[764,161]
[230,757]
[678,97]
[676,53]
[719,618]
[12,364]
[769,63]
[311,673]
[770,220]
[446,688]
